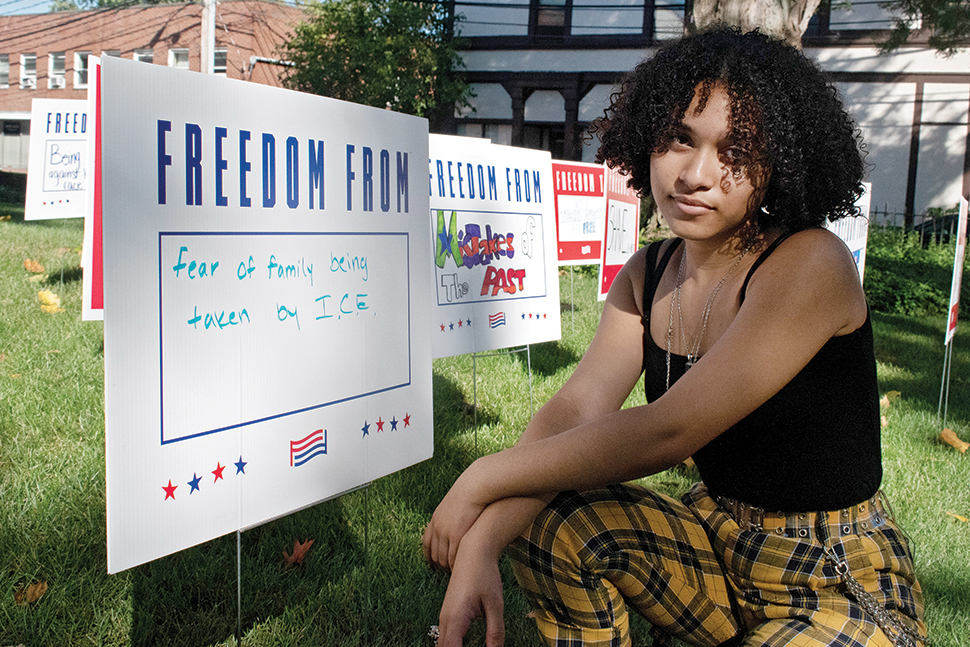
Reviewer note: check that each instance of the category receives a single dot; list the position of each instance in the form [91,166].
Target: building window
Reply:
[55,71]
[4,70]
[81,69]
[111,52]
[550,17]
[609,17]
[28,71]
[178,58]
[144,55]
[219,61]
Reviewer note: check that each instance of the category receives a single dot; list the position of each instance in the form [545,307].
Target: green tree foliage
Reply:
[394,54]
[946,21]
[81,5]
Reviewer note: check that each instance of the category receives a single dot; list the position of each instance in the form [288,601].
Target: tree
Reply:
[947,21]
[395,54]
[786,19]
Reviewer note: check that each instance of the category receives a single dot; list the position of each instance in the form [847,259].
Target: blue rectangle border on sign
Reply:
[282,414]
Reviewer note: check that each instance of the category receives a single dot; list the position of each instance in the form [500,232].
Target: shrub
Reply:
[904,277]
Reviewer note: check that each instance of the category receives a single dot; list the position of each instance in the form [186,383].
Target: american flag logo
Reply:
[304,449]
[496,320]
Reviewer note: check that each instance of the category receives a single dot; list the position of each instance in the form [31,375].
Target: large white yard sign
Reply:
[266,291]
[495,264]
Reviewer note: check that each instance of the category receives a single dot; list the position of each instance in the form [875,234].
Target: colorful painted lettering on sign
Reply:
[493,241]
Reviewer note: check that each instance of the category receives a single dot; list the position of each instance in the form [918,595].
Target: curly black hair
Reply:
[786,119]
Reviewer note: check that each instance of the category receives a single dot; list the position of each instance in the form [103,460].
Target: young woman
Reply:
[753,332]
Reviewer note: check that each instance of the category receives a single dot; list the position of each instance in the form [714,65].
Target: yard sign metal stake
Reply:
[954,310]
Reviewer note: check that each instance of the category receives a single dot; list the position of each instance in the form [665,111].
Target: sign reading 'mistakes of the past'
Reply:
[266,287]
[57,174]
[494,246]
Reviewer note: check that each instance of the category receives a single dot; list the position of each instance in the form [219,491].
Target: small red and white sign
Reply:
[951,324]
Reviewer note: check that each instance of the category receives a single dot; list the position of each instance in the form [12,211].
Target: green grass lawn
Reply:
[364,581]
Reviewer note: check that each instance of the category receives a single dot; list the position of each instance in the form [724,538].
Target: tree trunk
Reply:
[786,19]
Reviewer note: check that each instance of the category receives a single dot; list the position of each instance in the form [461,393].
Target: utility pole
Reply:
[208,35]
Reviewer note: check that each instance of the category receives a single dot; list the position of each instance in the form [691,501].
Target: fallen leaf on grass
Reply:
[49,302]
[4,218]
[884,421]
[299,553]
[29,594]
[954,441]
[889,398]
[958,517]
[33,266]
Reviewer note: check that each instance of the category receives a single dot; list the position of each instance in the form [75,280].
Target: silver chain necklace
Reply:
[693,350]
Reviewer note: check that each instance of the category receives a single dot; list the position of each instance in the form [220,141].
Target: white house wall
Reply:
[596,100]
[859,15]
[545,105]
[488,101]
[884,113]
[938,175]
[882,103]
[943,140]
[607,17]
[553,60]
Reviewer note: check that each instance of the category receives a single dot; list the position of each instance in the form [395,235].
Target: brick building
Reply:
[46,55]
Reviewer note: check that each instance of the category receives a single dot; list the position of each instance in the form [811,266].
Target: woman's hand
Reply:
[474,591]
[451,520]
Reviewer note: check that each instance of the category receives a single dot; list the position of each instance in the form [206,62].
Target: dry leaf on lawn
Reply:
[49,302]
[889,398]
[299,553]
[29,594]
[954,441]
[33,266]
[958,517]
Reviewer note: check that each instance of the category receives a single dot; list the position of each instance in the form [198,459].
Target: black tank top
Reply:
[814,445]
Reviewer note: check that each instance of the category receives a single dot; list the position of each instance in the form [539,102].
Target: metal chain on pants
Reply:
[899,634]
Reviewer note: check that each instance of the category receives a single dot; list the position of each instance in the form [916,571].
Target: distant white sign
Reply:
[854,231]
[621,233]
[580,205]
[57,171]
[960,253]
[495,275]
[266,303]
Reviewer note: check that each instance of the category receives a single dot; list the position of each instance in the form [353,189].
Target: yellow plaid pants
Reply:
[694,573]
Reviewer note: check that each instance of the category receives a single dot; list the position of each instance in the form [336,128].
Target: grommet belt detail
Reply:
[856,519]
